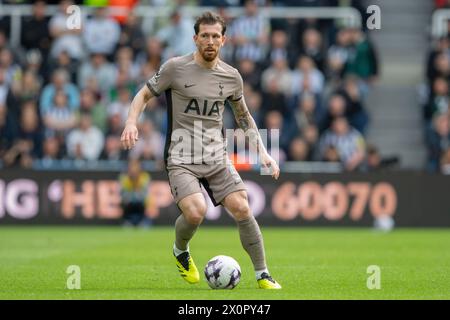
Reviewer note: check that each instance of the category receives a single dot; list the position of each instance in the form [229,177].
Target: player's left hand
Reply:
[268,162]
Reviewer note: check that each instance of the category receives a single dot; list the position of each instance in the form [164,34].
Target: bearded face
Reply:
[209,53]
[209,41]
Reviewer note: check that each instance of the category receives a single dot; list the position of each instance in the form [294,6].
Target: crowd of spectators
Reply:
[65,93]
[435,101]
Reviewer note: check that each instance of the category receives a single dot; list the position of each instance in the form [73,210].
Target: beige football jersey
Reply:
[195,98]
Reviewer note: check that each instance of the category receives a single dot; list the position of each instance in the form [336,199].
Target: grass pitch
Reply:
[309,263]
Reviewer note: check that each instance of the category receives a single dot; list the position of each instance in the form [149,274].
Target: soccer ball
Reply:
[222,272]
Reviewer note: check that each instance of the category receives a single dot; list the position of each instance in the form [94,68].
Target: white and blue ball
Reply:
[222,272]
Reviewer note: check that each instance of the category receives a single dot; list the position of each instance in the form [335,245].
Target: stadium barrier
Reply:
[412,199]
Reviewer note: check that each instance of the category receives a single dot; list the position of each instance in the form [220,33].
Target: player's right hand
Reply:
[268,162]
[129,136]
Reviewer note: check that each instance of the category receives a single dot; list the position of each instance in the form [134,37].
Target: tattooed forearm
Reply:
[242,115]
[244,123]
[247,123]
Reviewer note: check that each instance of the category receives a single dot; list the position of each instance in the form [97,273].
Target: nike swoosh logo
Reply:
[188,86]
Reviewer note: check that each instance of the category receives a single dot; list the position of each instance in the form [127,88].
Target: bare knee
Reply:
[239,207]
[242,212]
[194,211]
[194,217]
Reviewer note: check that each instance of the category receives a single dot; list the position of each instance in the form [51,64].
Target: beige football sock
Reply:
[184,231]
[252,241]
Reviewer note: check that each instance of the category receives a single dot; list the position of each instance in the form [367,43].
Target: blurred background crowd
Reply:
[65,94]
[435,101]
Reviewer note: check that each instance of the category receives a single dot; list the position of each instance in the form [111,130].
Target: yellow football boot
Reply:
[187,268]
[267,282]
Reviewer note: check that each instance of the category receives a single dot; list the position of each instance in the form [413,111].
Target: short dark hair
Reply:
[209,17]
